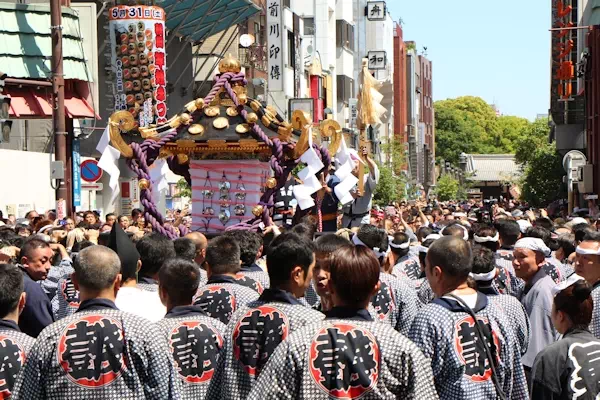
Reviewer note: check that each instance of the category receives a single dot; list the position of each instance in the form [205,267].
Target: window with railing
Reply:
[309,26]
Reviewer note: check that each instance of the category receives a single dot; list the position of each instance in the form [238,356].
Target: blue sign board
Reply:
[76,174]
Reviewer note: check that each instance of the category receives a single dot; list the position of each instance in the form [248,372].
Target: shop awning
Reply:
[31,103]
[198,19]
[26,44]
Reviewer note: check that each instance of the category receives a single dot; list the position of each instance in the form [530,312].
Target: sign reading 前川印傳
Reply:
[138,38]
[275,32]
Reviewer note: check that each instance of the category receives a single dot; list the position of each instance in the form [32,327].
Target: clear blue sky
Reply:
[496,49]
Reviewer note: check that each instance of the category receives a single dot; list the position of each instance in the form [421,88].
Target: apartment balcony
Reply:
[254,56]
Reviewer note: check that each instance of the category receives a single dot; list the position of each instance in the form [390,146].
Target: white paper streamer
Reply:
[344,172]
[109,162]
[310,183]
[158,175]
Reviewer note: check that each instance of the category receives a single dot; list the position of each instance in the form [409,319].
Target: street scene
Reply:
[299,199]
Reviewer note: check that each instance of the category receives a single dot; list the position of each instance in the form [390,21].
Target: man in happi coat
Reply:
[99,352]
[468,340]
[484,273]
[225,292]
[251,247]
[396,301]
[14,344]
[405,264]
[587,265]
[529,260]
[195,340]
[348,354]
[255,331]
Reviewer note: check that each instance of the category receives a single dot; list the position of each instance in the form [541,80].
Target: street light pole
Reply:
[58,106]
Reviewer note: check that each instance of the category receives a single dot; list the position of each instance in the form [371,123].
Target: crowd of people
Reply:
[452,300]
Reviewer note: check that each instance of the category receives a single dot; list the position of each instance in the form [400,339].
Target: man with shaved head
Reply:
[100,351]
[468,339]
[587,265]
[201,244]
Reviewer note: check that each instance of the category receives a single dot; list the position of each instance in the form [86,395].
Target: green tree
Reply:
[470,125]
[533,137]
[390,187]
[184,189]
[542,180]
[447,188]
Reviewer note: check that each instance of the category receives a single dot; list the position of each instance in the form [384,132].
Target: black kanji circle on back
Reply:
[503,280]
[70,294]
[217,302]
[91,351]
[383,301]
[12,358]
[256,335]
[195,347]
[472,352]
[249,283]
[413,270]
[344,361]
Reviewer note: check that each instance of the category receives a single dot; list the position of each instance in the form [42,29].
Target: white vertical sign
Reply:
[275,45]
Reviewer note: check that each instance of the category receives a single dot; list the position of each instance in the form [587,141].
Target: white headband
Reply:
[422,249]
[376,250]
[433,236]
[402,246]
[488,276]
[459,214]
[582,251]
[523,225]
[465,230]
[484,239]
[45,228]
[534,244]
[565,284]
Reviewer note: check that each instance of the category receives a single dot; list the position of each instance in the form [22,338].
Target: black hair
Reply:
[120,218]
[592,236]
[422,254]
[567,243]
[484,260]
[370,235]
[11,287]
[154,250]
[544,234]
[180,278]
[31,245]
[354,274]
[453,255]
[509,231]
[400,238]
[484,230]
[329,243]
[223,255]
[283,258]
[78,246]
[576,301]
[304,229]
[184,249]
[455,229]
[544,222]
[423,232]
[136,212]
[109,215]
[580,231]
[249,243]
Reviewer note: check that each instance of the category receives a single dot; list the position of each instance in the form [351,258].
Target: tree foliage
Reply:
[447,188]
[184,189]
[542,180]
[470,125]
[391,186]
[533,137]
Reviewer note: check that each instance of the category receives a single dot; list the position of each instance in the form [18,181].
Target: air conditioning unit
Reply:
[586,178]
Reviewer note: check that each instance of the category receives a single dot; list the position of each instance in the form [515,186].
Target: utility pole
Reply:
[58,104]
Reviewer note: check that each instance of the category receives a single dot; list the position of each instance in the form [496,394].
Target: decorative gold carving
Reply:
[271,183]
[182,158]
[257,210]
[266,120]
[229,64]
[217,143]
[192,106]
[255,105]
[185,144]
[285,134]
[242,128]
[143,184]
[247,143]
[242,98]
[331,129]
[149,133]
[232,112]
[121,121]
[251,118]
[196,129]
[221,123]
[301,120]
[212,111]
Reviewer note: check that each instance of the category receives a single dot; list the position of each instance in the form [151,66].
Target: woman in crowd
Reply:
[567,368]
